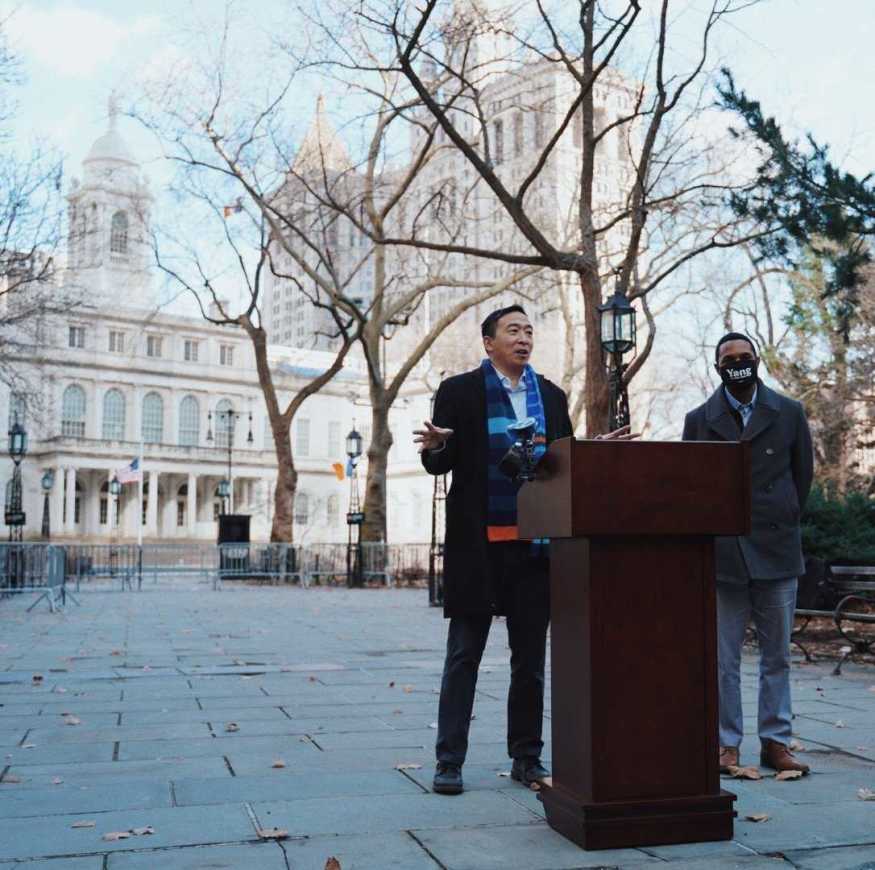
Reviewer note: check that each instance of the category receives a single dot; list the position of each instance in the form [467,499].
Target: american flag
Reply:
[130,473]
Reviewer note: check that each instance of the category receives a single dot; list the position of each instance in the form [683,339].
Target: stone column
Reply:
[191,506]
[56,503]
[70,525]
[110,504]
[92,504]
[152,506]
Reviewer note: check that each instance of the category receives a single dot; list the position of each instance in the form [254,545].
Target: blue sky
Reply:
[809,61]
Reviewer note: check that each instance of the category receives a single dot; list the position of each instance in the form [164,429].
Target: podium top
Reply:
[587,487]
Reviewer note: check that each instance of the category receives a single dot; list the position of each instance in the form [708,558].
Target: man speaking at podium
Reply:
[487,570]
[757,574]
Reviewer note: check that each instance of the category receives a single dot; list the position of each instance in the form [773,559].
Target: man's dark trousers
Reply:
[521,589]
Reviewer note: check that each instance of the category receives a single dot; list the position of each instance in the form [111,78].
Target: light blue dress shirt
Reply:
[745,410]
[516,394]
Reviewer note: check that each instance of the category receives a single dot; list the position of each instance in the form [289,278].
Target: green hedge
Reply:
[839,528]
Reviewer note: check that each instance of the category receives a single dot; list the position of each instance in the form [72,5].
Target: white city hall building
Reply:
[116,376]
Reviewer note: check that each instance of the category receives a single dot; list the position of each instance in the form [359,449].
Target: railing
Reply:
[36,567]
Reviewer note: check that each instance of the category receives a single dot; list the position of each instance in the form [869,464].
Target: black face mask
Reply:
[740,374]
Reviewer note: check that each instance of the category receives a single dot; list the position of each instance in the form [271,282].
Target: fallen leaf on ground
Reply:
[788,774]
[56,780]
[391,684]
[232,726]
[11,777]
[116,652]
[396,712]
[744,772]
[279,763]
[840,724]
[83,824]
[272,833]
[37,678]
[333,864]
[408,689]
[408,766]
[796,746]
[866,794]
[757,817]
[312,679]
[116,835]
[72,720]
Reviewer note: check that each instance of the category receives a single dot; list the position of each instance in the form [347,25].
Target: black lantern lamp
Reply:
[223,489]
[47,481]
[115,488]
[17,441]
[618,337]
[618,329]
[353,444]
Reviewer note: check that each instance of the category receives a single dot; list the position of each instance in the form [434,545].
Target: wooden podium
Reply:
[633,634]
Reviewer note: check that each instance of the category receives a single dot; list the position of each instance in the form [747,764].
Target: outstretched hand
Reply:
[624,433]
[432,437]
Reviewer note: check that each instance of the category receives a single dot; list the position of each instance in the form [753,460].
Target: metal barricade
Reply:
[34,568]
[274,563]
[325,562]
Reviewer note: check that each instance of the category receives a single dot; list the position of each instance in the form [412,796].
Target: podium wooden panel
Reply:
[633,634]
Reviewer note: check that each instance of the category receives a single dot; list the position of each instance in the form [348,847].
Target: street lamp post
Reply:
[618,335]
[115,489]
[47,482]
[228,419]
[354,515]
[15,517]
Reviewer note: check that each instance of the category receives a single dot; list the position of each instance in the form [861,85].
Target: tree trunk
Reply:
[283,527]
[374,507]
[597,404]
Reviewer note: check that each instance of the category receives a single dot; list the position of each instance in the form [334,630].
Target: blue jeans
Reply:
[771,604]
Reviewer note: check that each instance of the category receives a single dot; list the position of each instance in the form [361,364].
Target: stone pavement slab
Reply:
[254,856]
[341,686]
[176,826]
[282,784]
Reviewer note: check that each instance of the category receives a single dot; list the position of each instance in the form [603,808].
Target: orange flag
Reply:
[338,470]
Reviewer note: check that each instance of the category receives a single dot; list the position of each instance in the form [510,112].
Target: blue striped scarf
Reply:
[501,521]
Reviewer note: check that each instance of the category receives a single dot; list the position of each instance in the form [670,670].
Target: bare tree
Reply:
[323,218]
[556,62]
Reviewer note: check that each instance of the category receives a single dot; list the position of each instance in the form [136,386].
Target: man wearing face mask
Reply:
[757,573]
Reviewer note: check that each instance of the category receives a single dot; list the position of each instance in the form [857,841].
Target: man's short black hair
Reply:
[734,336]
[490,324]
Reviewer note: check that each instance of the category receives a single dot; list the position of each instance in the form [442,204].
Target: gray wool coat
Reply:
[782,465]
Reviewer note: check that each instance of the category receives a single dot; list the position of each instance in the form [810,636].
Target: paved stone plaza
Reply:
[196,718]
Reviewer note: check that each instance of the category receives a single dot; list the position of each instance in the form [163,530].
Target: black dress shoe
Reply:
[447,779]
[528,770]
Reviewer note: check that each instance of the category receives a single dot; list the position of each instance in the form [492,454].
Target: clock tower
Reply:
[108,244]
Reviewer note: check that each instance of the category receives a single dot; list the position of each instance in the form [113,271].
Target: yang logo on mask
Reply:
[739,374]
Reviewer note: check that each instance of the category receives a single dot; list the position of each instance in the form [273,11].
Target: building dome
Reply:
[111,146]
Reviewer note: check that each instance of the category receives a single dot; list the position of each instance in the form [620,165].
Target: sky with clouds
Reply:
[809,61]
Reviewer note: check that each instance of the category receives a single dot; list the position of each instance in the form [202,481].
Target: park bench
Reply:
[846,593]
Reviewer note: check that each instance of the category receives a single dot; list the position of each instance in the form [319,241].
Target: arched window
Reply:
[73,412]
[153,418]
[114,416]
[302,508]
[224,420]
[118,234]
[189,422]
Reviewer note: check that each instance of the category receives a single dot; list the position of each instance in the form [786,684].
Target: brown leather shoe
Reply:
[779,757]
[728,758]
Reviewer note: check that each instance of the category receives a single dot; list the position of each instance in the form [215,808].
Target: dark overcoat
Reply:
[781,470]
[460,405]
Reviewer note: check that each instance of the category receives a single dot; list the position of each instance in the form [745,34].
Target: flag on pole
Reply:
[338,470]
[131,473]
[236,208]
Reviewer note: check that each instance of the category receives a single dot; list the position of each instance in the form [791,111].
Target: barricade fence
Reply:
[56,569]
